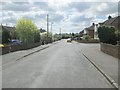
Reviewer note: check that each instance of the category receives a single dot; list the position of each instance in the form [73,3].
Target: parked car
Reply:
[16,41]
[69,40]
[1,45]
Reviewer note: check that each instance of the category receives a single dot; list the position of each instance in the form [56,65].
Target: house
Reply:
[12,31]
[81,33]
[8,28]
[113,22]
[90,30]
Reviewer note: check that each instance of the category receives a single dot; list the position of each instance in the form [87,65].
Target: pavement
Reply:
[62,65]
[107,63]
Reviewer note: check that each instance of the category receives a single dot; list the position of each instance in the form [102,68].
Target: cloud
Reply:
[102,8]
[79,6]
[10,20]
[56,17]
[71,16]
[82,18]
[15,6]
[44,6]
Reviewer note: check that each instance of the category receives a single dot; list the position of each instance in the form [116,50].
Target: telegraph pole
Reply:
[60,33]
[51,31]
[51,27]
[47,26]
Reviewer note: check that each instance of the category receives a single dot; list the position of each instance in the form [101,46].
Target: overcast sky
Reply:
[68,15]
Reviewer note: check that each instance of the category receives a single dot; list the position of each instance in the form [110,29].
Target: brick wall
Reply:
[13,48]
[90,33]
[113,50]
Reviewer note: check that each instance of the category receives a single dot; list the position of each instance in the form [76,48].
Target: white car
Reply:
[69,40]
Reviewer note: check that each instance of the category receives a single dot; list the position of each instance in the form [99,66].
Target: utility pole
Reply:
[51,31]
[60,33]
[51,27]
[47,26]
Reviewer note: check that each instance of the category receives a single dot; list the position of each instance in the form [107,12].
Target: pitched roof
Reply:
[112,21]
[90,28]
[8,28]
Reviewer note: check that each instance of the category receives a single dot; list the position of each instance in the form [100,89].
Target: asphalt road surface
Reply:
[61,65]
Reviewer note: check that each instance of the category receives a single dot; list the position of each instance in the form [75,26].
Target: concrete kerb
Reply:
[32,53]
[114,84]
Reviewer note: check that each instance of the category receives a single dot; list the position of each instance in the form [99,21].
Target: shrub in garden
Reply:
[86,37]
[107,35]
[46,38]
[118,35]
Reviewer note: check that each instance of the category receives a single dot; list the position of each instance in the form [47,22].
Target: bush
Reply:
[107,35]
[46,39]
[86,37]
[118,35]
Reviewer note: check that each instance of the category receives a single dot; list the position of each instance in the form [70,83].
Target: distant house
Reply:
[113,22]
[81,33]
[90,30]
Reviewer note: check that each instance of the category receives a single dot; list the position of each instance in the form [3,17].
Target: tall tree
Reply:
[27,30]
[109,17]
[6,37]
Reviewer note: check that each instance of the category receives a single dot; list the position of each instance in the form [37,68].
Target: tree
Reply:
[6,37]
[27,30]
[45,39]
[36,36]
[14,35]
[109,17]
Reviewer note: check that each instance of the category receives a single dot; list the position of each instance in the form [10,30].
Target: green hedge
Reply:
[107,35]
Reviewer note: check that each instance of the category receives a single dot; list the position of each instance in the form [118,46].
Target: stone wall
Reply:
[113,50]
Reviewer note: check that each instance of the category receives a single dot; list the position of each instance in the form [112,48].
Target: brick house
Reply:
[90,30]
[81,33]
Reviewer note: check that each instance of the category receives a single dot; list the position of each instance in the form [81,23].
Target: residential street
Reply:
[62,65]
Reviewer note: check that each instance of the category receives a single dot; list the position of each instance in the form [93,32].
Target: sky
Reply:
[69,15]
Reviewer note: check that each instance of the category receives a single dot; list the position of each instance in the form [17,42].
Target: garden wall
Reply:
[13,48]
[90,41]
[113,50]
